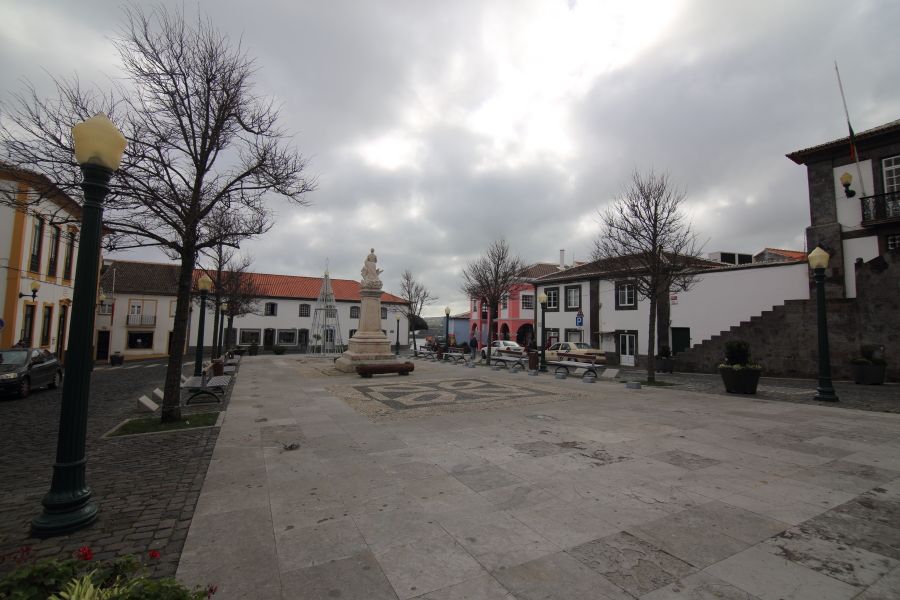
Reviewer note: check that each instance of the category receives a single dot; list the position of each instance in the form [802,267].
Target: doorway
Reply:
[102,345]
[627,348]
[268,339]
[61,333]
[681,339]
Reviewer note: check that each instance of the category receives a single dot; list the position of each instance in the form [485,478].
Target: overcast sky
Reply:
[435,127]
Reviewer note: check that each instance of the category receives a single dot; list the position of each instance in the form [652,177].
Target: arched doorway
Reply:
[504,332]
[525,335]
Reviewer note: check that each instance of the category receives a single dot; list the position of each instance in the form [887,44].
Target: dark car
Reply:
[24,368]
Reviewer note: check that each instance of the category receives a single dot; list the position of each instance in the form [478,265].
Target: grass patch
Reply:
[657,383]
[153,424]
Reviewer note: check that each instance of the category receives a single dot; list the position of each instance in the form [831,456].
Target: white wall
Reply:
[849,210]
[564,319]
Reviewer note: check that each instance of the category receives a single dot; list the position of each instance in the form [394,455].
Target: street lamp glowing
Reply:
[818,258]
[447,311]
[98,142]
[204,284]
[542,298]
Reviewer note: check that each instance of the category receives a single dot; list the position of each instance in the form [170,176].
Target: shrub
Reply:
[737,352]
[277,349]
[665,352]
[80,578]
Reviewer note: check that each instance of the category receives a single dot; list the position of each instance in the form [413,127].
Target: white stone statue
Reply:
[370,272]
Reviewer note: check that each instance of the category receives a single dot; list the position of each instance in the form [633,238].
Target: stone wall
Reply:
[784,340]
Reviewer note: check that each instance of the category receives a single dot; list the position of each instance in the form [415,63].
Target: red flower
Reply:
[85,553]
[154,554]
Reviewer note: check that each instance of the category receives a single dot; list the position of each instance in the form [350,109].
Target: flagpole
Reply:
[862,185]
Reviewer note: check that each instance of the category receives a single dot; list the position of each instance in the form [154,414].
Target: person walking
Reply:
[473,346]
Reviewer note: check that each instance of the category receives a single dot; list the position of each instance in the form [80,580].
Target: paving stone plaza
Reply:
[458,483]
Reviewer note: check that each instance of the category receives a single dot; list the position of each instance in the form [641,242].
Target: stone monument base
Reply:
[365,349]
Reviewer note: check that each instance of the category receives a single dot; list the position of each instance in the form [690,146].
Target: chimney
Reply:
[562,259]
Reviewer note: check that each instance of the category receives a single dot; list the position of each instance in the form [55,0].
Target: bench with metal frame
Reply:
[455,354]
[206,387]
[505,361]
[426,353]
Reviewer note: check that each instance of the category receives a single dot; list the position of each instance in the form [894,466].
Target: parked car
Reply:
[583,348]
[504,345]
[22,369]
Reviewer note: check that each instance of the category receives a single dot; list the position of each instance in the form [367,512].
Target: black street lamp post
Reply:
[446,328]
[398,334]
[221,345]
[818,261]
[204,284]
[542,298]
[67,506]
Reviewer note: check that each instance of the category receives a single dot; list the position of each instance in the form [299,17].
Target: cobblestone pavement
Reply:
[879,398]
[146,486]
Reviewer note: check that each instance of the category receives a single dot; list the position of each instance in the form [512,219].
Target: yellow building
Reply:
[38,247]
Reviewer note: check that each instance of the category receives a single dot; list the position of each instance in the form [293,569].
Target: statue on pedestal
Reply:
[370,272]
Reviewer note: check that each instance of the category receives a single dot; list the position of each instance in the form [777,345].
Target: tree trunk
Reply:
[171,407]
[490,333]
[651,341]
[663,313]
[216,317]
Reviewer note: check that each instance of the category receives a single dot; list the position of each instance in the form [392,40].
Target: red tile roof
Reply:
[540,270]
[162,278]
[801,156]
[791,254]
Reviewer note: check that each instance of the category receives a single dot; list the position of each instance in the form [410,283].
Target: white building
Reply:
[38,249]
[138,318]
[598,304]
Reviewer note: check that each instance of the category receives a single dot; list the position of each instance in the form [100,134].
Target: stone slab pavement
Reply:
[467,483]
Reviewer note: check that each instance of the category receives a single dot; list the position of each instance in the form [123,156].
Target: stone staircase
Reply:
[784,340]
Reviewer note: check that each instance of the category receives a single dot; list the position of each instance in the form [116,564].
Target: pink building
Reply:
[515,318]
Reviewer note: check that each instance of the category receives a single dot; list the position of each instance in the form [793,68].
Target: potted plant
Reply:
[870,367]
[739,374]
[664,362]
[276,349]
[253,350]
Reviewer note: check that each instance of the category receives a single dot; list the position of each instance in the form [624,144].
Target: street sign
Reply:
[579,319]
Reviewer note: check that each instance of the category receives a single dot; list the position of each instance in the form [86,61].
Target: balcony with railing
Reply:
[881,208]
[141,321]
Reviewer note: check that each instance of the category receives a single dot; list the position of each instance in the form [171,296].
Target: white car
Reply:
[504,345]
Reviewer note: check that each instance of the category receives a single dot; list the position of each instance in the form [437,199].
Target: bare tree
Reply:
[417,298]
[199,139]
[238,289]
[650,238]
[491,277]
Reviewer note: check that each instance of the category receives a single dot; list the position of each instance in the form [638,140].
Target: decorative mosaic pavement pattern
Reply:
[424,398]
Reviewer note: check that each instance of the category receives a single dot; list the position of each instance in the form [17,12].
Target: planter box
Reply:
[117,359]
[869,374]
[253,350]
[740,381]
[665,365]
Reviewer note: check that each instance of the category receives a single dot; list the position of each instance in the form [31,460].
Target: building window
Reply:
[27,324]
[250,336]
[504,301]
[551,336]
[484,310]
[304,310]
[70,255]
[141,313]
[527,302]
[140,340]
[271,309]
[573,297]
[105,308]
[574,335]
[37,242]
[891,168]
[53,261]
[552,299]
[383,312]
[287,337]
[46,325]
[626,296]
[329,335]
[354,312]
[331,313]
[474,305]
[173,304]
[893,241]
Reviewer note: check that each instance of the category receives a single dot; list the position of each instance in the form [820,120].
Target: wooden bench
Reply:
[206,387]
[399,368]
[516,360]
[454,354]
[563,366]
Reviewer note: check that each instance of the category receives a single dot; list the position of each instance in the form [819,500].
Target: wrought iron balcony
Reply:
[141,320]
[883,208]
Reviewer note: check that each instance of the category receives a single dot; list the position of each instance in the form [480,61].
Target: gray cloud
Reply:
[427,146]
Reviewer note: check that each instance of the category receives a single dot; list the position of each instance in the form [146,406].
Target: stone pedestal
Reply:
[368,345]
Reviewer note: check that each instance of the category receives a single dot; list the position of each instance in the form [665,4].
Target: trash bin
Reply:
[218,366]
[117,359]
[534,361]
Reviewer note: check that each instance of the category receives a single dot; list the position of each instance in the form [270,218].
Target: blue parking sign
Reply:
[579,320]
